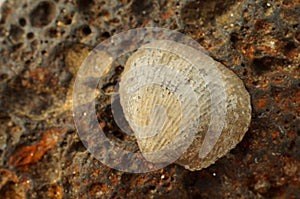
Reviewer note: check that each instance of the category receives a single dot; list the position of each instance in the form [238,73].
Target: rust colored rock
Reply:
[28,154]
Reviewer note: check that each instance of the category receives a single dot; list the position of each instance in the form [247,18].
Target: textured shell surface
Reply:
[182,105]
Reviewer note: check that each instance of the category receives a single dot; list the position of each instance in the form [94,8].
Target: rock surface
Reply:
[41,155]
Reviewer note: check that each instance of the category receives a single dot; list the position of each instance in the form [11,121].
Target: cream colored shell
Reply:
[171,93]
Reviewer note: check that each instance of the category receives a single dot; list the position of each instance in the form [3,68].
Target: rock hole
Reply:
[53,33]
[263,64]
[152,187]
[292,145]
[297,36]
[290,46]
[286,122]
[119,135]
[22,22]
[67,20]
[30,35]
[16,33]
[84,4]
[105,35]
[3,77]
[77,146]
[43,14]
[27,62]
[142,7]
[44,52]
[17,46]
[234,37]
[86,30]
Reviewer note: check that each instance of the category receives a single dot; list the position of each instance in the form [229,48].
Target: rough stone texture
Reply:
[41,155]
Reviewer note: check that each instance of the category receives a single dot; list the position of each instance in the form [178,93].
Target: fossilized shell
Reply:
[171,93]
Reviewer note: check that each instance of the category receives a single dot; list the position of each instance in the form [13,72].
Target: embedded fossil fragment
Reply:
[182,105]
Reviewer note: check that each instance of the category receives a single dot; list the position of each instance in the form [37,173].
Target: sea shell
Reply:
[182,105]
